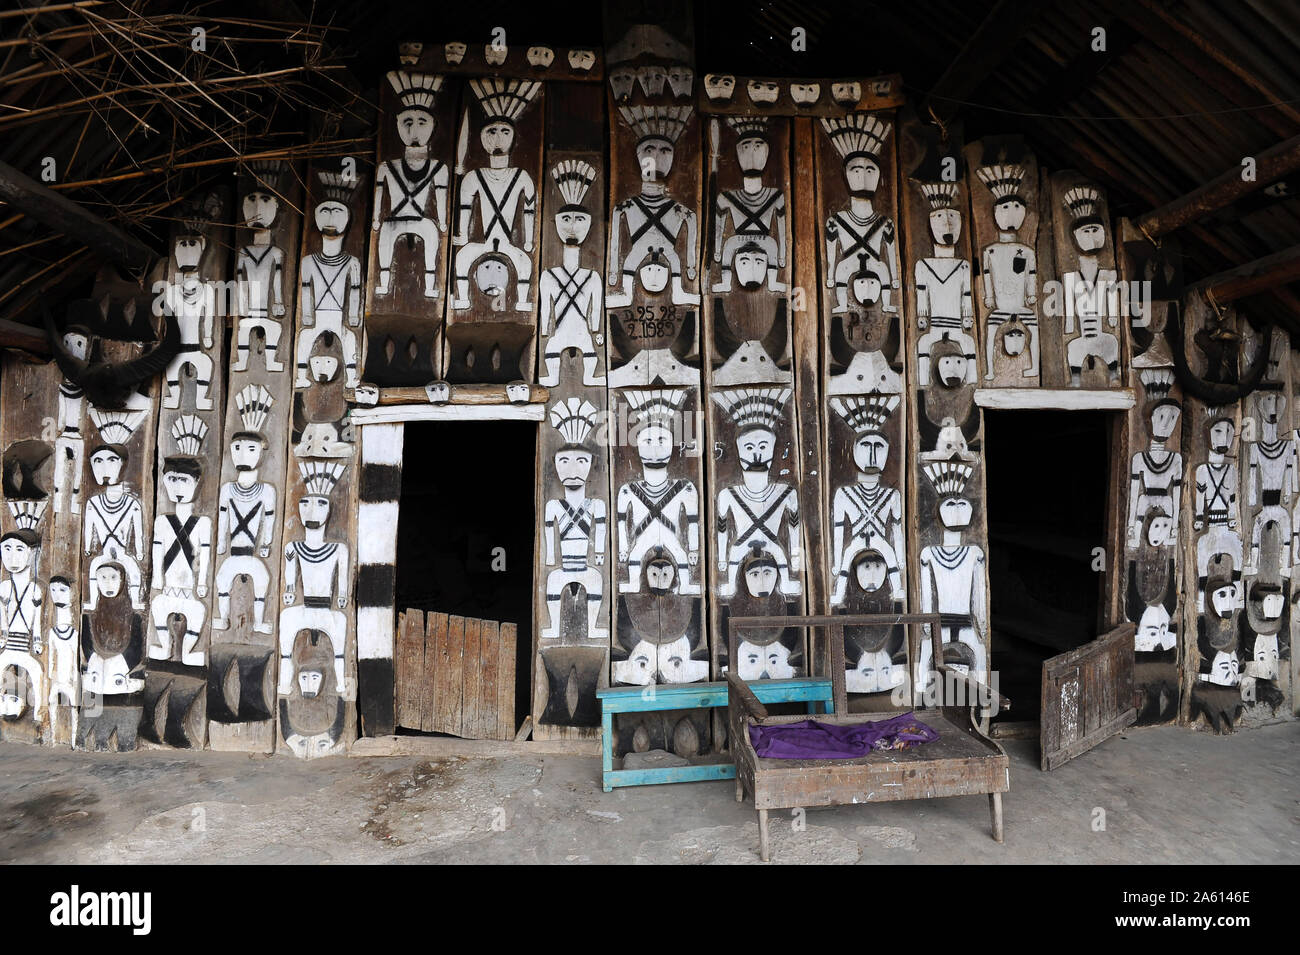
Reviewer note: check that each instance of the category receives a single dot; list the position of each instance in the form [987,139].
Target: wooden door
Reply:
[1087,696]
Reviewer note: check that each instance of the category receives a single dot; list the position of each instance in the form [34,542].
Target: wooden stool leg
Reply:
[740,789]
[995,812]
[762,835]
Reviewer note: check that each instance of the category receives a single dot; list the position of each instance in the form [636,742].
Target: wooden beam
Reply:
[25,337]
[395,413]
[1262,275]
[68,218]
[1270,165]
[986,49]
[1058,399]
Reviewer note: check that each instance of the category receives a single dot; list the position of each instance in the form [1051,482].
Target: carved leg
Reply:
[995,814]
[762,835]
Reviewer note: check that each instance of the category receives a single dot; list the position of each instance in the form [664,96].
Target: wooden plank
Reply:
[23,337]
[404,413]
[571,611]
[1061,399]
[379,494]
[491,308]
[441,747]
[471,674]
[411,214]
[243,664]
[489,673]
[317,632]
[38,665]
[448,703]
[507,653]
[472,394]
[409,661]
[435,671]
[653,302]
[1002,180]
[1261,275]
[541,62]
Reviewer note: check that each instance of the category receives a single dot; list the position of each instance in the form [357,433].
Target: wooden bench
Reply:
[962,762]
[690,696]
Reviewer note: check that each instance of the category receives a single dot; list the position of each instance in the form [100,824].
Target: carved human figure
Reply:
[64,674]
[1010,270]
[1217,641]
[193,304]
[323,570]
[505,196]
[758,513]
[1214,509]
[760,653]
[331,280]
[661,654]
[651,511]
[69,445]
[1271,482]
[880,663]
[246,514]
[952,574]
[578,521]
[182,554]
[653,219]
[113,524]
[867,515]
[415,185]
[754,214]
[112,638]
[259,269]
[860,240]
[570,296]
[21,603]
[1091,293]
[1156,474]
[943,287]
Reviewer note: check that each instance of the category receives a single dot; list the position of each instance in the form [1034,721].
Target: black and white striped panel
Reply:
[380,486]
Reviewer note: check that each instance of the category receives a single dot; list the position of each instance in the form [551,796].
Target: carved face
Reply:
[408,54]
[1089,238]
[332,218]
[109,580]
[763,92]
[1265,657]
[862,176]
[108,676]
[654,276]
[572,226]
[540,56]
[652,79]
[680,80]
[572,466]
[581,61]
[323,368]
[189,249]
[954,513]
[1224,601]
[1224,669]
[870,452]
[77,344]
[659,575]
[414,127]
[752,153]
[1009,214]
[750,266]
[846,94]
[805,94]
[1271,606]
[719,87]
[246,453]
[1221,434]
[866,288]
[60,593]
[951,370]
[495,54]
[491,276]
[1153,630]
[313,511]
[654,446]
[675,661]
[945,226]
[15,554]
[757,446]
[874,673]
[870,572]
[1014,339]
[771,662]
[498,138]
[180,488]
[620,83]
[1270,404]
[1163,420]
[655,158]
[760,579]
[309,683]
[1160,530]
[106,466]
[260,208]
[454,52]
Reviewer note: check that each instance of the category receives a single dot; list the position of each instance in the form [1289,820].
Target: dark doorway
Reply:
[466,528]
[1047,484]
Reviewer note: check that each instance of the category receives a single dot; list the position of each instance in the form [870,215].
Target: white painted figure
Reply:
[259,269]
[1092,293]
[755,213]
[1214,509]
[69,445]
[1010,270]
[21,604]
[182,549]
[1271,482]
[64,674]
[113,524]
[1156,474]
[331,280]
[943,286]
[193,304]
[570,296]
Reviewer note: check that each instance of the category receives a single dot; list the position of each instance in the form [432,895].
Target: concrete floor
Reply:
[1168,796]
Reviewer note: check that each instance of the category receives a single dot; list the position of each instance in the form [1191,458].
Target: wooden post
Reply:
[574,544]
[380,489]
[197,296]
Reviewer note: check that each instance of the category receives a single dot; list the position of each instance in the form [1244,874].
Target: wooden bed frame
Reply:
[962,762]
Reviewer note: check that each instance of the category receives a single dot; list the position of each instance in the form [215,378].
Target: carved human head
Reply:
[106,463]
[654,157]
[313,510]
[756,447]
[763,92]
[573,465]
[180,478]
[871,452]
[750,265]
[415,127]
[260,207]
[246,448]
[719,87]
[332,217]
[945,226]
[497,137]
[1153,629]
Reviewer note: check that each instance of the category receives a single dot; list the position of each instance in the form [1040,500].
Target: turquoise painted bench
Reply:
[691,696]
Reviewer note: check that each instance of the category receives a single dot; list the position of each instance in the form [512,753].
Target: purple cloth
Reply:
[809,739]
